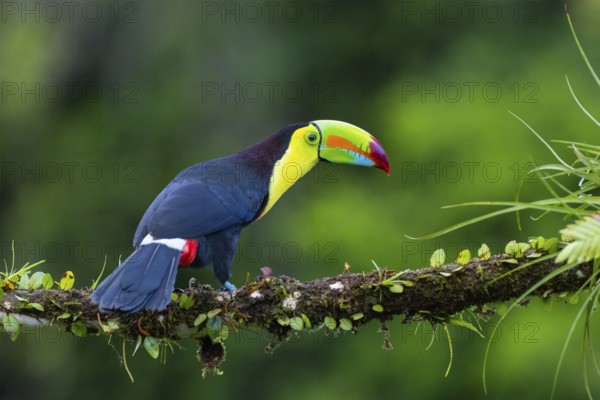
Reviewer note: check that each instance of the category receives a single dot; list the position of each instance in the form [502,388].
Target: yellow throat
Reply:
[298,159]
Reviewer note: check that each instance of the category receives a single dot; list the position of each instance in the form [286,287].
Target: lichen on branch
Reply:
[283,305]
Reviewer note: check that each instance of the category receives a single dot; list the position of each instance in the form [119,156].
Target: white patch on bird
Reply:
[580,274]
[256,295]
[176,243]
[337,286]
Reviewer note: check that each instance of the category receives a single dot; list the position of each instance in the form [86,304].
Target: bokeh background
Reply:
[102,103]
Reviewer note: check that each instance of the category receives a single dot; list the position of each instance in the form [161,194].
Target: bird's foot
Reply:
[229,287]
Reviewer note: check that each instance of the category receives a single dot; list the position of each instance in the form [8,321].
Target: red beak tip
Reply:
[386,169]
[379,157]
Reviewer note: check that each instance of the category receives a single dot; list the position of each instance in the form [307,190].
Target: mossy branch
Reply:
[282,305]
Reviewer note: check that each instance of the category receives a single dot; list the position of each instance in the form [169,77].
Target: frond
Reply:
[584,235]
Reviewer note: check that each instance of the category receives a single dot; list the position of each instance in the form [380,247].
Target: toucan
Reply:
[197,218]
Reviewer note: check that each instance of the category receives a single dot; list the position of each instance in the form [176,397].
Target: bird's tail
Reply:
[144,281]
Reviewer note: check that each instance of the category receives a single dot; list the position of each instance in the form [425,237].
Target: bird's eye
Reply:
[311,138]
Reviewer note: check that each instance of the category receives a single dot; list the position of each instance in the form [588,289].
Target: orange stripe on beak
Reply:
[339,142]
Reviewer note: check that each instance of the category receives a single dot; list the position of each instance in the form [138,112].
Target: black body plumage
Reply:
[209,202]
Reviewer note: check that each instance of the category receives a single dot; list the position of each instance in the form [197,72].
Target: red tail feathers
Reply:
[188,254]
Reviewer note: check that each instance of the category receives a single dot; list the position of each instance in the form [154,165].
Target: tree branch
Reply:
[283,305]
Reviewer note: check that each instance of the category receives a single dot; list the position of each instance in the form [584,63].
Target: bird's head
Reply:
[323,140]
[336,142]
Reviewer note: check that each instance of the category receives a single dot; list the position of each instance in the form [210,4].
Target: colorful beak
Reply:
[343,143]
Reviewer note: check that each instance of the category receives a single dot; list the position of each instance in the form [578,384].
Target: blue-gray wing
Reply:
[191,208]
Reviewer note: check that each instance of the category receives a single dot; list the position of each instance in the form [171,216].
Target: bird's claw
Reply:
[229,287]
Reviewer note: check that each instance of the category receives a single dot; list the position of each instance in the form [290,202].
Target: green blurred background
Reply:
[102,103]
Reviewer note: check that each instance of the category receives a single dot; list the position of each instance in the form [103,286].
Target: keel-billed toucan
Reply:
[197,218]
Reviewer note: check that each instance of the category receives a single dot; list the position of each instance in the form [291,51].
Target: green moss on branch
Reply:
[282,305]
